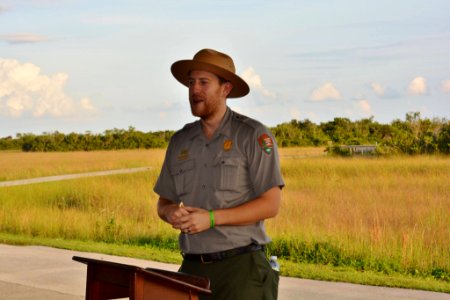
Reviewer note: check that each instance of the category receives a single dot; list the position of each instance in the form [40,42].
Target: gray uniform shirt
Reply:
[239,163]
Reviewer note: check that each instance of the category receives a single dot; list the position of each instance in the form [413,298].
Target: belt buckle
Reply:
[204,261]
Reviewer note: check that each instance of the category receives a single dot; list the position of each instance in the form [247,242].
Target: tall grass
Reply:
[380,214]
[21,165]
[383,214]
[109,208]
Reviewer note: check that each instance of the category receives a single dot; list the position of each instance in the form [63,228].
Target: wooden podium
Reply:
[110,280]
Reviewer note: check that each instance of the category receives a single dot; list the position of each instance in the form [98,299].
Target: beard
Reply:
[203,107]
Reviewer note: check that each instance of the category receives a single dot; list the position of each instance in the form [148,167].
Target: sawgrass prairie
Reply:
[382,214]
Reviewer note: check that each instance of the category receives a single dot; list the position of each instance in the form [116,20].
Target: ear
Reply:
[227,87]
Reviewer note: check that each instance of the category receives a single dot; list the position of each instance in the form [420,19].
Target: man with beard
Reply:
[220,180]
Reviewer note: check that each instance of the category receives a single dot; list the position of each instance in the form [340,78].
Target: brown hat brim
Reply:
[181,69]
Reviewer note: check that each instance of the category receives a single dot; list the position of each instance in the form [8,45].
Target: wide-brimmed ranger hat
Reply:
[215,62]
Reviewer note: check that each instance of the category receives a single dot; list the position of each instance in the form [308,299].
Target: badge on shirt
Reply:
[227,145]
[266,143]
[184,154]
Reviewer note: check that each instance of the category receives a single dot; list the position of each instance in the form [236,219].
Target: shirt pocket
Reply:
[229,169]
[183,176]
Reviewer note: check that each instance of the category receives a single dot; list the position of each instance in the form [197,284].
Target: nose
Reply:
[194,86]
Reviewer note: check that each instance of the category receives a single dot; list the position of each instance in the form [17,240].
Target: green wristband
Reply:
[211,219]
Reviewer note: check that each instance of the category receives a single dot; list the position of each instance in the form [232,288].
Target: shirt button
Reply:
[203,186]
[205,165]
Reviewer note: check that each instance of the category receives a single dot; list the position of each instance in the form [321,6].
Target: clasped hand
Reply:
[189,219]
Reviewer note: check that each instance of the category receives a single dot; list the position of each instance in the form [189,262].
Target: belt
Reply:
[218,256]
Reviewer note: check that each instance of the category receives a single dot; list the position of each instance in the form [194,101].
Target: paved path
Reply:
[72,176]
[35,272]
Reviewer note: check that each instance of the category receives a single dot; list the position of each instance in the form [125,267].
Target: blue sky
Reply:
[77,66]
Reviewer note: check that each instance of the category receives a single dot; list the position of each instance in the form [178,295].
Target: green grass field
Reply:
[381,221]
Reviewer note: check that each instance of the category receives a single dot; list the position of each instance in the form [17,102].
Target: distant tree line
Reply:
[414,135]
[114,139]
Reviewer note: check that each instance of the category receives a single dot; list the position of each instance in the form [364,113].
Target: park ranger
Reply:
[220,180]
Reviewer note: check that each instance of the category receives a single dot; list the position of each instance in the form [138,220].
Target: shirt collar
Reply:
[223,129]
[225,125]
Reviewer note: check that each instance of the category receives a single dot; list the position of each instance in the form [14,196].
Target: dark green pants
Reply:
[245,276]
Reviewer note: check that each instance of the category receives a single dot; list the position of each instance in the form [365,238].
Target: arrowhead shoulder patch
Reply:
[266,143]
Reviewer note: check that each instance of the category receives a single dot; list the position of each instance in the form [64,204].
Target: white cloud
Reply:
[254,81]
[162,115]
[3,8]
[324,92]
[23,38]
[238,109]
[24,90]
[418,86]
[295,113]
[445,86]
[364,107]
[86,104]
[15,105]
[383,91]
[377,88]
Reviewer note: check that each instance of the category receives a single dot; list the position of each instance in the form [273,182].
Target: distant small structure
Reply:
[359,149]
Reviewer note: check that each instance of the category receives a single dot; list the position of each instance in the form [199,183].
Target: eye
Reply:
[191,82]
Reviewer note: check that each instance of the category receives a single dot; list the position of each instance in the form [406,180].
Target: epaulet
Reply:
[246,120]
[185,128]
[189,125]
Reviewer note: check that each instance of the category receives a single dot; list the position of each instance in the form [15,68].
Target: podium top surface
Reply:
[177,279]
